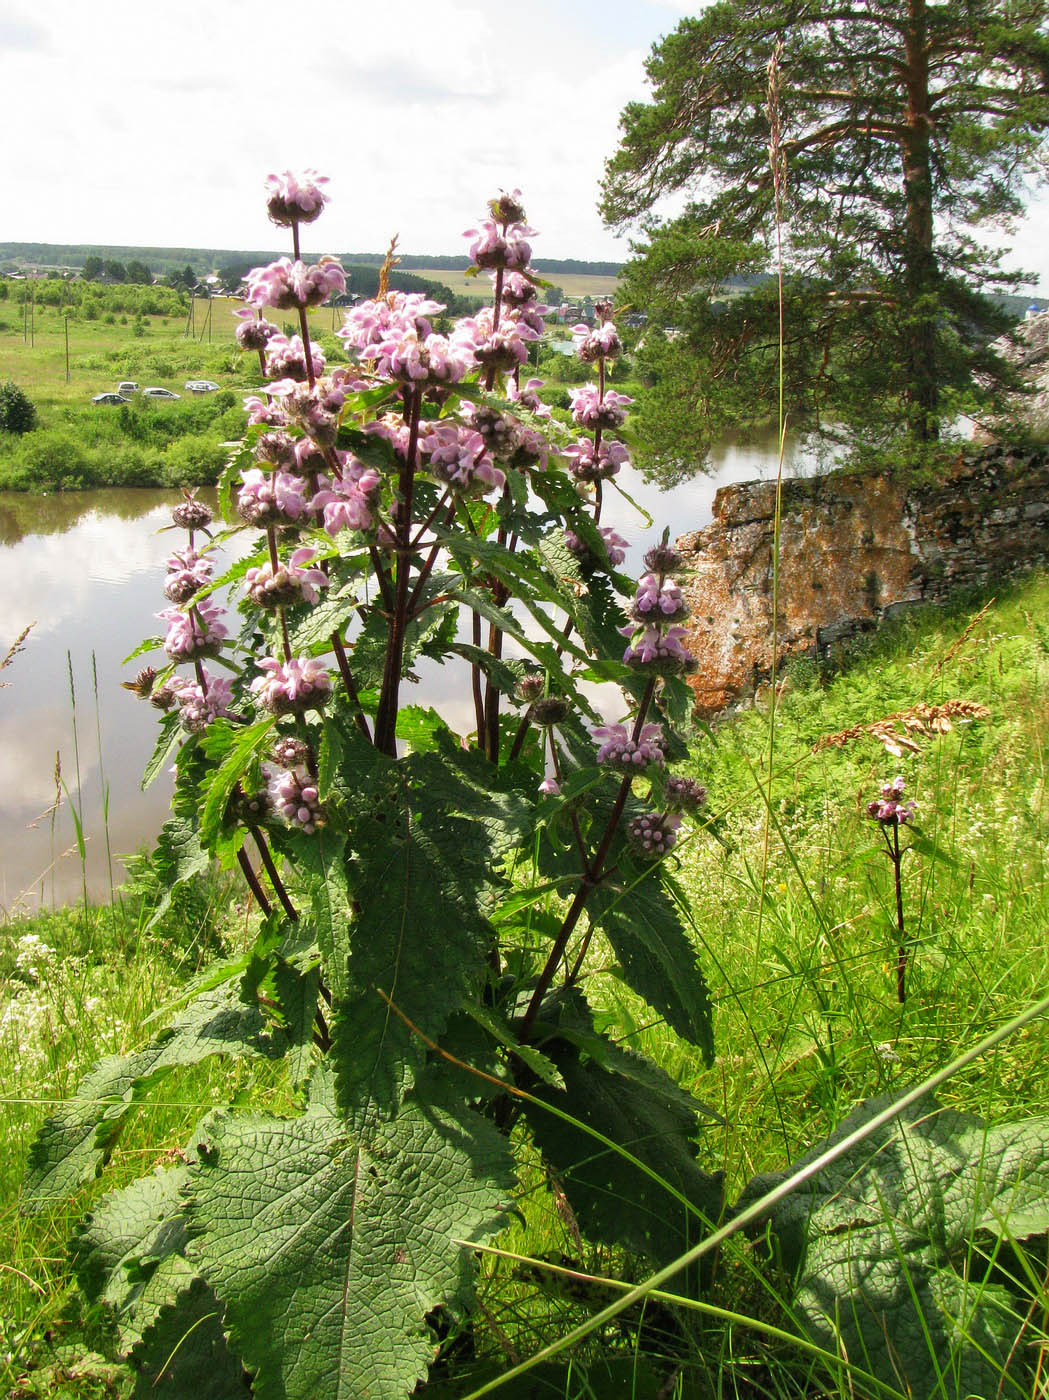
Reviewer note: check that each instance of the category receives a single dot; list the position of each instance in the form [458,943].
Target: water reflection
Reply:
[86,569]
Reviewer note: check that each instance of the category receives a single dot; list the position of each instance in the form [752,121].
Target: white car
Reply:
[155,393]
[201,386]
[127,387]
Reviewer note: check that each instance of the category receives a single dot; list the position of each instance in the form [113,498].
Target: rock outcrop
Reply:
[853,550]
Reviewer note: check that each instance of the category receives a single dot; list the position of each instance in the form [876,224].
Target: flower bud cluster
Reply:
[658,599]
[588,465]
[888,809]
[615,546]
[253,334]
[592,410]
[683,795]
[293,796]
[619,750]
[599,344]
[458,457]
[655,833]
[194,633]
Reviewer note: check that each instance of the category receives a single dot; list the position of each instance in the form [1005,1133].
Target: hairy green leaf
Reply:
[329,1251]
[184,1352]
[893,1246]
[75,1143]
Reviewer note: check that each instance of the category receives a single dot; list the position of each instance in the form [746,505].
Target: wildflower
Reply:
[655,833]
[507,208]
[349,503]
[550,787]
[292,687]
[199,705]
[586,465]
[166,693]
[656,599]
[615,546]
[508,248]
[619,750]
[253,334]
[293,582]
[286,359]
[264,411]
[660,648]
[458,458]
[684,794]
[194,633]
[528,397]
[270,498]
[598,344]
[276,448]
[293,794]
[888,809]
[371,322]
[295,199]
[142,684]
[590,410]
[288,285]
[187,572]
[290,752]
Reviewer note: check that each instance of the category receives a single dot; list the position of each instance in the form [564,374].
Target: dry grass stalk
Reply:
[957,645]
[898,732]
[15,647]
[389,263]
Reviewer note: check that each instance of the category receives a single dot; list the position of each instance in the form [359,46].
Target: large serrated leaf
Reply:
[655,955]
[178,858]
[658,1213]
[245,751]
[894,1244]
[328,1252]
[74,1144]
[422,880]
[184,1353]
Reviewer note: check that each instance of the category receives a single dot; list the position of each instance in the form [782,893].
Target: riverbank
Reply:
[795,920]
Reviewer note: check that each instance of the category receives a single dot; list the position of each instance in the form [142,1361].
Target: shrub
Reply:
[17,411]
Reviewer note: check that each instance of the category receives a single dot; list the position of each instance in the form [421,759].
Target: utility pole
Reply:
[67,346]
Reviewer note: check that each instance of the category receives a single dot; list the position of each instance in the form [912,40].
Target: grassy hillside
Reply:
[789,894]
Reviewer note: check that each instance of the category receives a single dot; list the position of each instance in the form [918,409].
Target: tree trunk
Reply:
[920,273]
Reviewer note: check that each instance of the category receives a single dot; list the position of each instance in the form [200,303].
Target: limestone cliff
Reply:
[852,550]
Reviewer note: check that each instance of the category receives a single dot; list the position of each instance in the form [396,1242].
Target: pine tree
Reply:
[905,127]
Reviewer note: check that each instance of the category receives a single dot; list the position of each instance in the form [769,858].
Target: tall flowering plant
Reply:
[429,904]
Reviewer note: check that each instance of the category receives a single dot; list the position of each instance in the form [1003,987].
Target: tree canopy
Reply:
[902,129]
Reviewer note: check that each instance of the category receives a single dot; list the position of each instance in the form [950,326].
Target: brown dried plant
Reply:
[898,732]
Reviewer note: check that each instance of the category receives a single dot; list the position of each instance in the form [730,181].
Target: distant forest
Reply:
[162,261]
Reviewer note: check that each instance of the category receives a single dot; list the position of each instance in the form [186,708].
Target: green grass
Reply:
[791,903]
[146,443]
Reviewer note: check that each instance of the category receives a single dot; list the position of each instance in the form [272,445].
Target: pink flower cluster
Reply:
[289,285]
[655,644]
[619,750]
[590,410]
[293,795]
[458,457]
[187,572]
[495,247]
[598,344]
[655,833]
[349,502]
[888,809]
[197,632]
[198,706]
[292,687]
[293,582]
[295,199]
[659,597]
[684,794]
[615,545]
[253,334]
[372,322]
[585,466]
[286,360]
[271,498]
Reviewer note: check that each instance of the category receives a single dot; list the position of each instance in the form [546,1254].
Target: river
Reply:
[86,569]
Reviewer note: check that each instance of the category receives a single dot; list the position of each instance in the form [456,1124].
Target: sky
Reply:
[155,124]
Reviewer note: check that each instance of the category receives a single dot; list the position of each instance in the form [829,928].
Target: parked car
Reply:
[201,386]
[127,387]
[156,393]
[108,399]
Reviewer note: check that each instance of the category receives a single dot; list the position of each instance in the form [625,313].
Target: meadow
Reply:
[789,896]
